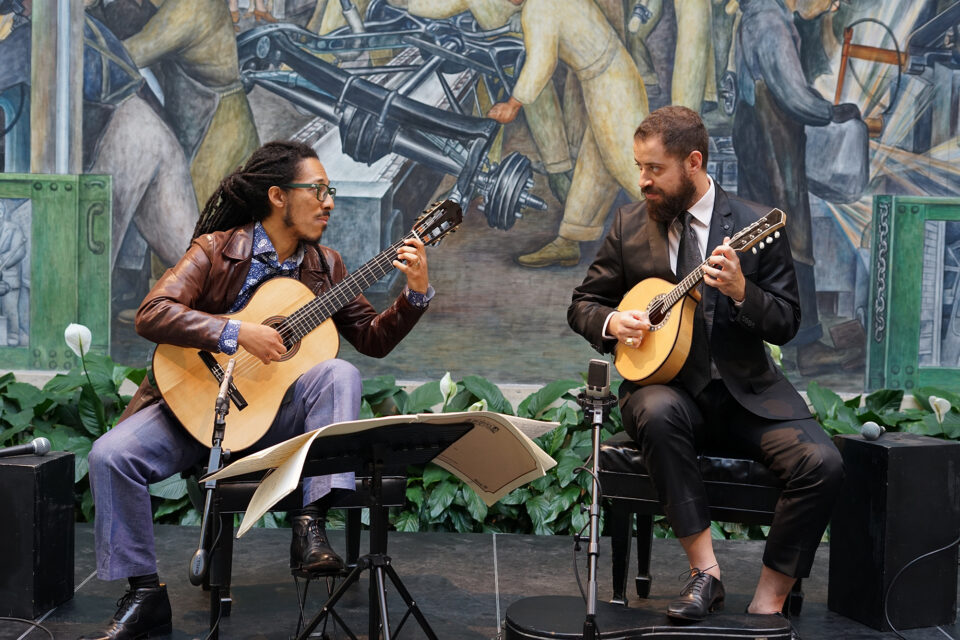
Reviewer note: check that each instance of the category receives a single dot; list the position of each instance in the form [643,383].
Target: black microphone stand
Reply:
[199,563]
[596,402]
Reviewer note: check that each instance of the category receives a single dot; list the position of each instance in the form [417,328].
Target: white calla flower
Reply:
[448,389]
[940,406]
[78,338]
[479,405]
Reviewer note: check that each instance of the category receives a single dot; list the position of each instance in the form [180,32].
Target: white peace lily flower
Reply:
[940,406]
[78,338]
[480,405]
[447,388]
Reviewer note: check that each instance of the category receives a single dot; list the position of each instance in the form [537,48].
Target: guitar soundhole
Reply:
[277,323]
[657,313]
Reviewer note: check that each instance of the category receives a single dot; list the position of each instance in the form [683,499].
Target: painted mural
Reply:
[525,110]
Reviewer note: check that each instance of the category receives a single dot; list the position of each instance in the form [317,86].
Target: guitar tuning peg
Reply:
[754,250]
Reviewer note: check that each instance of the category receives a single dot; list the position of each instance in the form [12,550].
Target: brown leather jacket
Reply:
[184,308]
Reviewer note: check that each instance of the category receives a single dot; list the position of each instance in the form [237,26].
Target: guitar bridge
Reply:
[217,371]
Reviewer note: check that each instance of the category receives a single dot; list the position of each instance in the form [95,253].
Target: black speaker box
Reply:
[36,533]
[900,500]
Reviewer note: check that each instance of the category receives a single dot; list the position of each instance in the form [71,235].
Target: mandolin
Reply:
[190,379]
[665,347]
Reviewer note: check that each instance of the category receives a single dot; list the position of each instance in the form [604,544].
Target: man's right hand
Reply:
[261,341]
[628,327]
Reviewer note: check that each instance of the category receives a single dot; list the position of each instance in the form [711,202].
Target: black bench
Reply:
[739,490]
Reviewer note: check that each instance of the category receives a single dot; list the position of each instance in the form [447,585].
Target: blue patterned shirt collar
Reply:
[264,251]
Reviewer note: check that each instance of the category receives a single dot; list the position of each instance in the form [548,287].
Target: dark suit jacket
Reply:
[636,248]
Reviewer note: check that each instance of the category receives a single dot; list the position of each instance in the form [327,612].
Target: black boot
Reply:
[141,613]
[309,549]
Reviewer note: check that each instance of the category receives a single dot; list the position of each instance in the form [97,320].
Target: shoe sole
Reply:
[317,570]
[716,606]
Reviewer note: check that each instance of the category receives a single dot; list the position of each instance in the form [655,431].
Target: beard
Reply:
[671,205]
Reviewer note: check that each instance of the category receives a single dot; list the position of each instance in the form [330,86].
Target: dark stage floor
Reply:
[463,583]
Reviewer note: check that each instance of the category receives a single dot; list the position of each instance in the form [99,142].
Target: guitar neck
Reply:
[683,287]
[311,315]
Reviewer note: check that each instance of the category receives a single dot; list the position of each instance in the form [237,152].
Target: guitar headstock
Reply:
[764,227]
[437,221]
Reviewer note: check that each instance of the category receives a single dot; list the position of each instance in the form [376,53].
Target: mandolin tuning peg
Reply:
[754,250]
[776,234]
[762,245]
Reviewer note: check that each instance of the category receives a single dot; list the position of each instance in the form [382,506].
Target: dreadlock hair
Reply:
[242,196]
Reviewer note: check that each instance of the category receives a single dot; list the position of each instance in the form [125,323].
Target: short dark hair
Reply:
[242,197]
[680,129]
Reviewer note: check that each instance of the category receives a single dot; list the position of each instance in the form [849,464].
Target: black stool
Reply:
[738,490]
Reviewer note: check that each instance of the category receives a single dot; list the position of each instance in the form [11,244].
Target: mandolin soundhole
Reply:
[277,323]
[657,312]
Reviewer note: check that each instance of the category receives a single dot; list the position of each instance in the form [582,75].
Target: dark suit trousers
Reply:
[672,428]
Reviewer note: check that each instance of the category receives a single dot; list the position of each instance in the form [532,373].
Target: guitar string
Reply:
[300,319]
[341,294]
[689,282]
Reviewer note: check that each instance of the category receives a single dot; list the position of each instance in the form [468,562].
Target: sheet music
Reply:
[495,457]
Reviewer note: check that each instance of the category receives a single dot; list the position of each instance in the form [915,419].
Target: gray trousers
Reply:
[151,445]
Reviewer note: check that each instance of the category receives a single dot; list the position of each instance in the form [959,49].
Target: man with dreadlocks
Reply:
[264,221]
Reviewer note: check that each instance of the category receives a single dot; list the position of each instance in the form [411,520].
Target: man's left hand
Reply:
[412,261]
[722,272]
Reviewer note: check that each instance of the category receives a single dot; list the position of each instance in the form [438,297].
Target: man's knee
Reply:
[655,415]
[104,455]
[821,466]
[336,370]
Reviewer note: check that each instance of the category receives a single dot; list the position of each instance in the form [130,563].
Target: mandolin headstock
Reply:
[767,226]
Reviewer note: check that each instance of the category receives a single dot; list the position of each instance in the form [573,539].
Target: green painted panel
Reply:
[93,253]
[914,314]
[64,276]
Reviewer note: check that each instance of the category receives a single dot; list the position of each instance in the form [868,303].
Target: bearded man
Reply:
[729,377]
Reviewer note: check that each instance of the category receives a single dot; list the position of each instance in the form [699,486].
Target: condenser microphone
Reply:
[222,396]
[37,447]
[871,430]
[598,378]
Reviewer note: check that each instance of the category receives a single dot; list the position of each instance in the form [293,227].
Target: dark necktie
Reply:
[696,371]
[688,253]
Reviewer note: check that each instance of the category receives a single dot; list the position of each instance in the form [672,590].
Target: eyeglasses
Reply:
[322,189]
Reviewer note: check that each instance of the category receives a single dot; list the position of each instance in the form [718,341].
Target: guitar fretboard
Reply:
[743,239]
[311,315]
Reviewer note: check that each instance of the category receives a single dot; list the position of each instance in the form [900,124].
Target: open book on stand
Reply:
[493,458]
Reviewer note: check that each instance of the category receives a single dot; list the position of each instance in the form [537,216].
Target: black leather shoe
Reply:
[702,594]
[310,550]
[141,613]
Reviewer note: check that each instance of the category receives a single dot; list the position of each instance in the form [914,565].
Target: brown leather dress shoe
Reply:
[702,594]
[141,613]
[310,550]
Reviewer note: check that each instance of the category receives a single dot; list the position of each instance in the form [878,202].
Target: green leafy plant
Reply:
[937,413]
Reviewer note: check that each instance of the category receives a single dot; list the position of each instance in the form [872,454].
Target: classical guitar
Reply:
[190,379]
[664,348]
